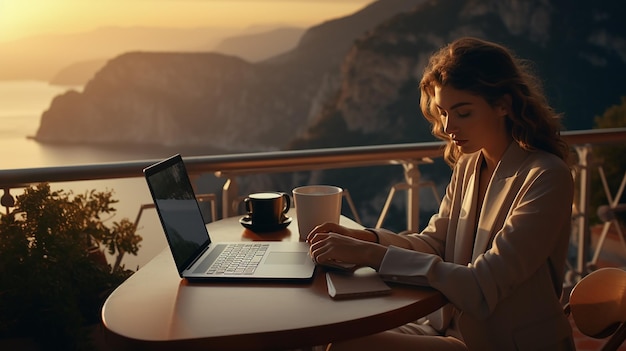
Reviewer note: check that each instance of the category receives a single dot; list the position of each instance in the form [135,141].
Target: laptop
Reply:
[197,258]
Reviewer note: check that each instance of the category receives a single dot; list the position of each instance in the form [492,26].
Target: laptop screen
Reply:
[178,210]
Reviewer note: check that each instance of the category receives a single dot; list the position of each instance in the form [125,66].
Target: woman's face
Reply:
[470,122]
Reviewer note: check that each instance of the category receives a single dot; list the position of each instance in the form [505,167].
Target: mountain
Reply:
[335,90]
[42,57]
[209,99]
[253,44]
[77,73]
[173,92]
[576,48]
[349,81]
[260,46]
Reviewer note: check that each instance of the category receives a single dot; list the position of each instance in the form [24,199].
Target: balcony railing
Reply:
[409,156]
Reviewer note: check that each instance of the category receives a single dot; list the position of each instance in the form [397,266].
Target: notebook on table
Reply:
[197,258]
[364,282]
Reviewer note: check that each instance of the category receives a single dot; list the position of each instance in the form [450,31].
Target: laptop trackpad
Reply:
[286,258]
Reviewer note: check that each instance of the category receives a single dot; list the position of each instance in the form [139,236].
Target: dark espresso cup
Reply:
[267,209]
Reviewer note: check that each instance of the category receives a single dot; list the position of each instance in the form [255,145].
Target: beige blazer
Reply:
[503,275]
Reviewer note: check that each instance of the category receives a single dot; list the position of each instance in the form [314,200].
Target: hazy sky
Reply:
[22,18]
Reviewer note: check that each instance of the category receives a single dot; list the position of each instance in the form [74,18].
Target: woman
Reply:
[497,247]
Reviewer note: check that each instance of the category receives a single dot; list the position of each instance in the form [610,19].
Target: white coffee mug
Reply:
[316,204]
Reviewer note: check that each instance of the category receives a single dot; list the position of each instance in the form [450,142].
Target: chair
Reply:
[200,198]
[210,198]
[411,173]
[607,214]
[597,305]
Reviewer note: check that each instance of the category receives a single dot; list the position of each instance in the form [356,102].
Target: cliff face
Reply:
[260,46]
[335,90]
[205,99]
[168,99]
[578,49]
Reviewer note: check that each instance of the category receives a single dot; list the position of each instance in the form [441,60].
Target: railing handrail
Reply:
[230,165]
[244,162]
[275,161]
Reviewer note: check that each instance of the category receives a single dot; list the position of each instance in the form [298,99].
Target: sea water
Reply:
[21,106]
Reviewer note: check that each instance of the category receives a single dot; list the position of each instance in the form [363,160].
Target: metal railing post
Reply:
[230,192]
[412,176]
[584,234]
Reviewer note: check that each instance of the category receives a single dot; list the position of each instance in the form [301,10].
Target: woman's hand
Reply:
[327,248]
[360,234]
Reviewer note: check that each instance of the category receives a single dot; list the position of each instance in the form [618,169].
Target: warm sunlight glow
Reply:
[19,18]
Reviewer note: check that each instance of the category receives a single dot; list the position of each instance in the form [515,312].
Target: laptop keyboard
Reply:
[238,259]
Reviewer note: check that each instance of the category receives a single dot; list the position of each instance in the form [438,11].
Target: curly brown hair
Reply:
[492,72]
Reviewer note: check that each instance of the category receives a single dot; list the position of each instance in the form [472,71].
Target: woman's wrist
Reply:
[375,238]
[376,255]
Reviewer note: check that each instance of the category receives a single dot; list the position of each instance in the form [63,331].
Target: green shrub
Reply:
[54,276]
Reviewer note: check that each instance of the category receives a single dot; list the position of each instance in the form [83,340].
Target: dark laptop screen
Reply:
[178,210]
